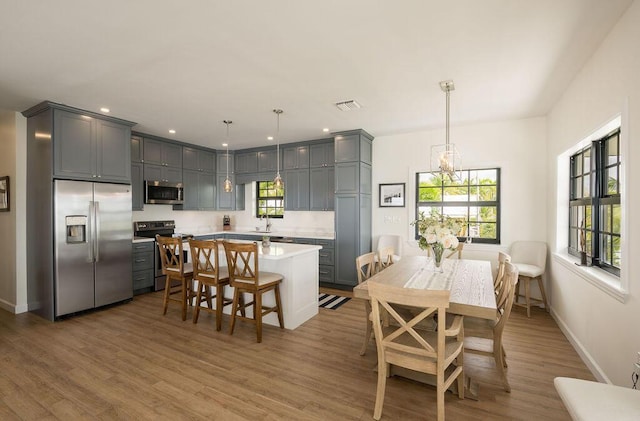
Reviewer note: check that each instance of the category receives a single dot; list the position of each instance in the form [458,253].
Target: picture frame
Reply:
[4,194]
[392,195]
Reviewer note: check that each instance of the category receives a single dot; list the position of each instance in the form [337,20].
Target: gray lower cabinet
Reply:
[90,148]
[143,269]
[153,172]
[137,193]
[199,191]
[296,190]
[321,186]
[326,256]
[347,236]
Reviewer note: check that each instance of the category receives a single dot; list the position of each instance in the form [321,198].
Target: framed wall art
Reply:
[392,195]
[4,194]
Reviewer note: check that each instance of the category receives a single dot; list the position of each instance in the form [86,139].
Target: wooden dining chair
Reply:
[175,269]
[403,344]
[497,281]
[484,337]
[384,258]
[365,267]
[244,277]
[208,274]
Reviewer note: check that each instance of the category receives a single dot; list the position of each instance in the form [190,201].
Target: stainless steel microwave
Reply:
[164,193]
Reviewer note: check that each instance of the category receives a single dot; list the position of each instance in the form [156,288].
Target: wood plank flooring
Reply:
[130,362]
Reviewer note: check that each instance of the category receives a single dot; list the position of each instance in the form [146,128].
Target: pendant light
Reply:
[228,185]
[445,159]
[277,182]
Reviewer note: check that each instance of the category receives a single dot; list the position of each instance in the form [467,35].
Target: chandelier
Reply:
[445,159]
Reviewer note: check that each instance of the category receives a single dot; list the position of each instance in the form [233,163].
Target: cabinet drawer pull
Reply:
[324,272]
[140,260]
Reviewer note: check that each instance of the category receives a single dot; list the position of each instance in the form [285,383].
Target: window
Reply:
[594,203]
[475,199]
[269,200]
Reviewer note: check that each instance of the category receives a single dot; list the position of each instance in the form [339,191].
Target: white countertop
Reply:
[276,251]
[321,235]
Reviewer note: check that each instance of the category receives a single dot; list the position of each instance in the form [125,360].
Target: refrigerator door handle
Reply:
[96,214]
[90,230]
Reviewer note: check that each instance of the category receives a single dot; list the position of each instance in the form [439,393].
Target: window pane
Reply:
[487,230]
[612,150]
[488,193]
[483,214]
[573,238]
[578,164]
[474,230]
[616,219]
[586,166]
[588,243]
[455,194]
[612,180]
[473,177]
[430,194]
[615,245]
[587,217]
[456,212]
[488,177]
[606,249]
[585,185]
[429,179]
[430,210]
[577,188]
[605,216]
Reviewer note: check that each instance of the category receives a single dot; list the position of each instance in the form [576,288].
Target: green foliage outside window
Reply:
[269,200]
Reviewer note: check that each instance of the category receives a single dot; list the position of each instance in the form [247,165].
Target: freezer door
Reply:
[73,260]
[114,232]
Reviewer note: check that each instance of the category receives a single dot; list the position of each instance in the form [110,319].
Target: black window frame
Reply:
[259,198]
[466,203]
[587,212]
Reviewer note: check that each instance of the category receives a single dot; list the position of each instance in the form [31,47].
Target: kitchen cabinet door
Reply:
[321,155]
[91,149]
[321,185]
[198,160]
[136,149]
[162,153]
[225,200]
[160,173]
[296,190]
[246,163]
[137,186]
[221,163]
[267,160]
[296,157]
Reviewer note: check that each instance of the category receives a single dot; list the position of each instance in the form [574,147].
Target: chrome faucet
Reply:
[267,223]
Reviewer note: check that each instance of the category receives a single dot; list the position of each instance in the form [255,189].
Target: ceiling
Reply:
[190,65]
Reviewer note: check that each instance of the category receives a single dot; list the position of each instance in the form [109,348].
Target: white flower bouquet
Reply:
[438,233]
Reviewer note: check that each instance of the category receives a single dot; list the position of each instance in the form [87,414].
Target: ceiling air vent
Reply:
[348,105]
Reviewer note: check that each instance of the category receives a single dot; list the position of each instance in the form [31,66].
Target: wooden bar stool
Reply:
[208,273]
[244,277]
[175,269]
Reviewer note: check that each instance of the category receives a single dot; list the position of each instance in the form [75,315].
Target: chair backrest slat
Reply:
[242,261]
[204,255]
[365,266]
[171,254]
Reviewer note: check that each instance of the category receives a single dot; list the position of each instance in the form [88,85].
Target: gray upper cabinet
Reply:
[221,163]
[162,153]
[159,173]
[321,195]
[295,157]
[199,191]
[347,178]
[246,162]
[137,193]
[136,149]
[321,155]
[353,147]
[267,160]
[91,148]
[198,160]
[296,190]
[225,200]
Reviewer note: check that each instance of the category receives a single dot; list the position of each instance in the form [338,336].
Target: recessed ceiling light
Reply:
[172,131]
[225,144]
[269,137]
[326,129]
[105,109]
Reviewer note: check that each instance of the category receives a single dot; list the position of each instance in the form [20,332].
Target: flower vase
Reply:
[437,251]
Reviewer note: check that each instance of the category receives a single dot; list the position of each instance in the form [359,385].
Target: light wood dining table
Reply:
[469,281]
[472,294]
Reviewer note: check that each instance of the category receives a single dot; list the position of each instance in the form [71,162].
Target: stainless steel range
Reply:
[149,229]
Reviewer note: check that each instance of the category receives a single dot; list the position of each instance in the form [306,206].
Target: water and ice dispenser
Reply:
[76,227]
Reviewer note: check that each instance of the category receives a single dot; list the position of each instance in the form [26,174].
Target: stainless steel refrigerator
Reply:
[92,245]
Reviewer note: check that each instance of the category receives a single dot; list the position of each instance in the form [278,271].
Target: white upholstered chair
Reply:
[530,257]
[393,241]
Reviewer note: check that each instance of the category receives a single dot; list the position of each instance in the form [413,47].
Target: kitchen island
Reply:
[298,264]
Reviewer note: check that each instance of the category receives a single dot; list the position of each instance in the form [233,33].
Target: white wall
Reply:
[517,147]
[601,327]
[8,219]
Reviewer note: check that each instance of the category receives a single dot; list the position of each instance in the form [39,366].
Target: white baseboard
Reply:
[582,352]
[12,308]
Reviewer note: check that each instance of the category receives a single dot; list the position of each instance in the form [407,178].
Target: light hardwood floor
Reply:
[130,362]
